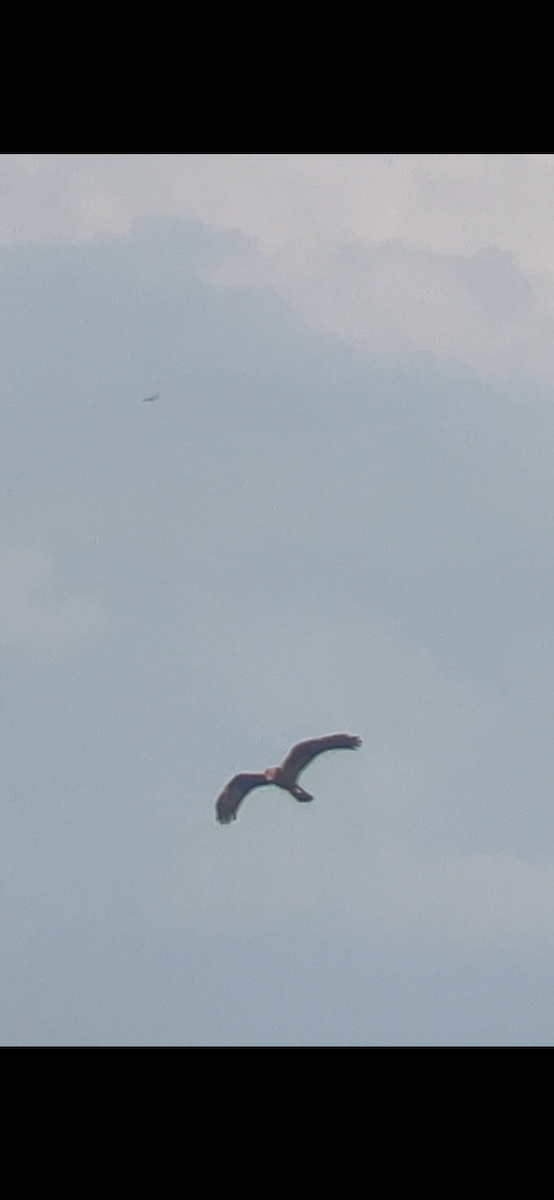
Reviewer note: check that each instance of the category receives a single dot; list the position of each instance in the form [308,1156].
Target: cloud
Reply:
[33,613]
[397,896]
[393,300]
[450,255]
[495,899]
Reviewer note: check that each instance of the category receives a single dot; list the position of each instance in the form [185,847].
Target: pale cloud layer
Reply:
[471,902]
[33,615]
[450,255]
[444,204]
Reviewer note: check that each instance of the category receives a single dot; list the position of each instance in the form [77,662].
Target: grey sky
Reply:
[338,515]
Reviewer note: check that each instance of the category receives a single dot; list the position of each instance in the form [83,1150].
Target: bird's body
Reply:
[149,399]
[285,776]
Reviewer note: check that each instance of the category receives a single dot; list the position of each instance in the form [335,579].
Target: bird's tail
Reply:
[301,795]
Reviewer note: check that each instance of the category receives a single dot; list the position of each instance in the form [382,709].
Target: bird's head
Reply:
[271,773]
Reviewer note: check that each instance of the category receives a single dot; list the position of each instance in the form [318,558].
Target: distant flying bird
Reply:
[148,399]
[284,776]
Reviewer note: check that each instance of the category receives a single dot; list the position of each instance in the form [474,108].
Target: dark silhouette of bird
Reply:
[284,776]
[149,399]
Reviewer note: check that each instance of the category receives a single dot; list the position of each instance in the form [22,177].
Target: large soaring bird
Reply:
[284,776]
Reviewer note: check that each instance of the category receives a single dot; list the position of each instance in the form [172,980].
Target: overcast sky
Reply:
[338,516]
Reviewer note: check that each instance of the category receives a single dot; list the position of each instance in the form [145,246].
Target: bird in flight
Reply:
[148,399]
[284,776]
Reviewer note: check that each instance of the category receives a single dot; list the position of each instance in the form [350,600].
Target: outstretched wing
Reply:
[233,795]
[303,753]
[149,399]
